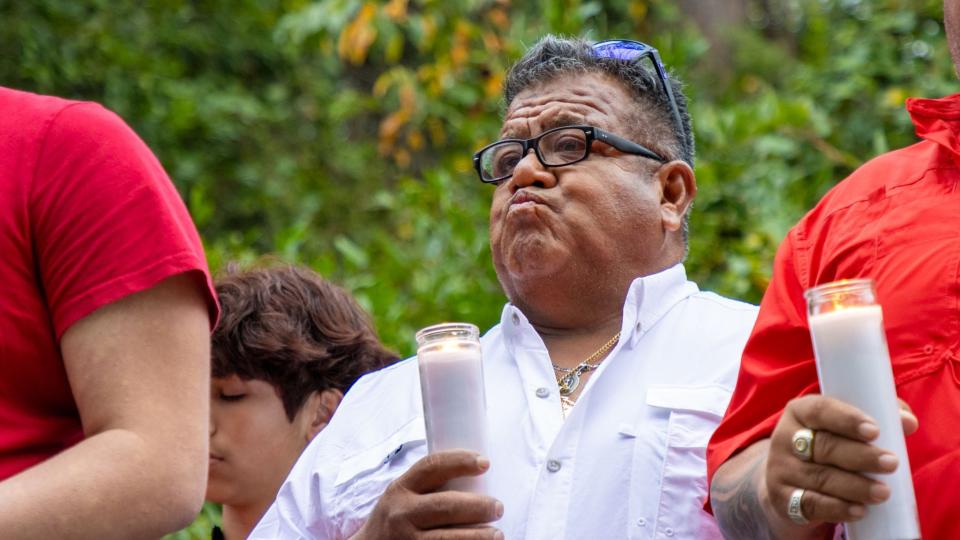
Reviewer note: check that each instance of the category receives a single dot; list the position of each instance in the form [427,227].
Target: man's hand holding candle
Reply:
[413,508]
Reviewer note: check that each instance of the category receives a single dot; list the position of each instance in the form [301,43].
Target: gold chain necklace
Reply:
[569,382]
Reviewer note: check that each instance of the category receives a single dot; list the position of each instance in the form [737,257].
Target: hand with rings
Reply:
[819,454]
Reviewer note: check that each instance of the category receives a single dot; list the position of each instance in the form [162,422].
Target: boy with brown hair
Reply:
[289,346]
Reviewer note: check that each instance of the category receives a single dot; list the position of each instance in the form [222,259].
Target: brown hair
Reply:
[288,326]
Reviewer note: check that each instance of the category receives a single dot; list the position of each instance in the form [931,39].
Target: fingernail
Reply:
[868,430]
[888,461]
[498,535]
[908,414]
[483,463]
[857,511]
[879,492]
[499,509]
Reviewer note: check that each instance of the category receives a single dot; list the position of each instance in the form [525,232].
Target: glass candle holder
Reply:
[454,402]
[853,365]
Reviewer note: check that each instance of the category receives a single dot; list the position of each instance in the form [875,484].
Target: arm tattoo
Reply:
[736,505]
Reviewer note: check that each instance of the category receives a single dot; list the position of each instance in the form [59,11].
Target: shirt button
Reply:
[543,392]
[641,522]
[928,349]
[668,531]
[516,319]
[553,465]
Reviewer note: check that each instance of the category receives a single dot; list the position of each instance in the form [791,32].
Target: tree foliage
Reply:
[338,133]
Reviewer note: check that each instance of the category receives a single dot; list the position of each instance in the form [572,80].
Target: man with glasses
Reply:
[609,369]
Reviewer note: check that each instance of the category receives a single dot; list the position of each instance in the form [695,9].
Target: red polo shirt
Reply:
[895,220]
[87,217]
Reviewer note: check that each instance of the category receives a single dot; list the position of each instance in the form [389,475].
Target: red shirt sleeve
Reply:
[106,219]
[777,364]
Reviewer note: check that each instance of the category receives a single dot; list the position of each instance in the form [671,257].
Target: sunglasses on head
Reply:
[635,51]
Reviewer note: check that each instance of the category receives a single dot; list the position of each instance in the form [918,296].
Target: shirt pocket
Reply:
[363,477]
[692,414]
[918,264]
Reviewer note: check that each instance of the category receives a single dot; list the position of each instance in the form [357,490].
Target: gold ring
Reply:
[802,444]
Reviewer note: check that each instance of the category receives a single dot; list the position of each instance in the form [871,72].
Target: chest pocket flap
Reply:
[388,459]
[695,411]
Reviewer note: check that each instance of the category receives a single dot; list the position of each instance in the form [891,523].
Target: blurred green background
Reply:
[338,133]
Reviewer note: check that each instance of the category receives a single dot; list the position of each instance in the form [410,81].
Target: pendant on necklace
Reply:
[569,383]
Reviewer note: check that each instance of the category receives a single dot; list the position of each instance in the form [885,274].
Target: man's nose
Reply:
[530,172]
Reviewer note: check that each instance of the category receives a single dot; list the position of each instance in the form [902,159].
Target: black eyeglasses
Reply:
[555,147]
[629,50]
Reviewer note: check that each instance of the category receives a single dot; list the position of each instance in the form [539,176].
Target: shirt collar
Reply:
[937,120]
[648,299]
[651,297]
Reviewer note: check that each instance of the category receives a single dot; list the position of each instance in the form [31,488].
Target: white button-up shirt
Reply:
[628,462]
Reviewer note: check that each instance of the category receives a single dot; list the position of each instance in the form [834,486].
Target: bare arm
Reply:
[740,505]
[139,372]
[735,494]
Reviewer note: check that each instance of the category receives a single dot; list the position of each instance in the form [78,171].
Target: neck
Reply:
[239,521]
[568,347]
[574,312]
[573,326]
[556,306]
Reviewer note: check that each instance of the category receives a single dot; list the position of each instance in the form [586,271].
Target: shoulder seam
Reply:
[723,301]
[44,136]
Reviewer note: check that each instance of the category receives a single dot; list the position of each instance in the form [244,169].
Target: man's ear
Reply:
[678,188]
[318,410]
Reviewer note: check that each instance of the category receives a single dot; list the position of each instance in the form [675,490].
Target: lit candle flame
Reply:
[449,345]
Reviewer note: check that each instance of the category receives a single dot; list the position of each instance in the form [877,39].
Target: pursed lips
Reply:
[525,198]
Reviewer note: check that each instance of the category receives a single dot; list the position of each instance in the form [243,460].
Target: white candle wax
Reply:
[454,406]
[854,366]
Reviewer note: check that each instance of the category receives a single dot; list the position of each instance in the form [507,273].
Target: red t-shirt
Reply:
[87,216]
[896,220]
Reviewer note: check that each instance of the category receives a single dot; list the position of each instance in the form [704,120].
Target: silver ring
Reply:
[794,508]
[802,444]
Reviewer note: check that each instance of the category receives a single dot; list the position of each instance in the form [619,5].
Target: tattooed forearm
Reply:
[736,503]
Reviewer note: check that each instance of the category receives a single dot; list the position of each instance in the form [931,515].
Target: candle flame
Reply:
[449,345]
[838,300]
